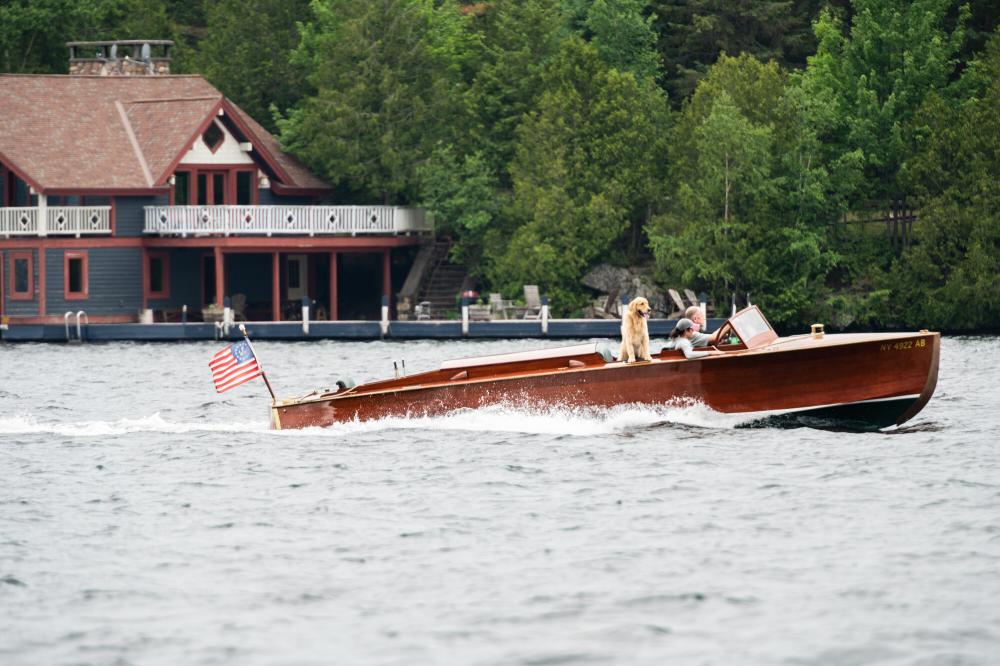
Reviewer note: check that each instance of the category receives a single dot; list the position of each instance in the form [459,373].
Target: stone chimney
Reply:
[123,57]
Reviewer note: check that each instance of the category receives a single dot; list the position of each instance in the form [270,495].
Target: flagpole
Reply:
[243,330]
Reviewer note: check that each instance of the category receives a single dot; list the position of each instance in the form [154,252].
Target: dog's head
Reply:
[639,307]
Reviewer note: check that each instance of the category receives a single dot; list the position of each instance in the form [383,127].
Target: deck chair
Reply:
[238,304]
[679,306]
[692,297]
[532,302]
[498,307]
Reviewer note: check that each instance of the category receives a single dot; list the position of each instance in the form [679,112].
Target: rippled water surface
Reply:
[146,520]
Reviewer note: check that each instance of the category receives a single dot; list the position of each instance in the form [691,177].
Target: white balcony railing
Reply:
[282,220]
[60,221]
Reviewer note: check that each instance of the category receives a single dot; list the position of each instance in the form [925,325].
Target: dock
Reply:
[333,330]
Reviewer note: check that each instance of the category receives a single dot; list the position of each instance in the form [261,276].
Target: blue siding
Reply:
[114,282]
[267,197]
[19,308]
[130,215]
[185,281]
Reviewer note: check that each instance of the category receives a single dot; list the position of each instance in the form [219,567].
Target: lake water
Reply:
[146,520]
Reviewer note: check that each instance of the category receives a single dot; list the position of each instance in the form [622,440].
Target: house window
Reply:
[75,275]
[182,188]
[213,137]
[22,276]
[159,275]
[244,188]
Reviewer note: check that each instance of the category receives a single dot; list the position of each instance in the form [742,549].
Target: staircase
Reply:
[444,283]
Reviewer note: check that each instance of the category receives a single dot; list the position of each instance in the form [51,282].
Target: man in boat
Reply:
[700,339]
[682,338]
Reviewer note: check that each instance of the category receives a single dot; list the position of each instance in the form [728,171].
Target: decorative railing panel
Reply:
[19,221]
[79,220]
[60,221]
[282,220]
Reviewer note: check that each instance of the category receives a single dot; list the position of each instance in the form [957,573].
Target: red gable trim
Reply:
[232,116]
[202,126]
[258,147]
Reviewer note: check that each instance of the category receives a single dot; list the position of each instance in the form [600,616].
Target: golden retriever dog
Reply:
[635,332]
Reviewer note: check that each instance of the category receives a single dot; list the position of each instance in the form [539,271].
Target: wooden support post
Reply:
[144,258]
[276,286]
[333,286]
[220,282]
[387,277]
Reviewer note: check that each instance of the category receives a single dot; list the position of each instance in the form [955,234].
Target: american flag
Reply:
[233,365]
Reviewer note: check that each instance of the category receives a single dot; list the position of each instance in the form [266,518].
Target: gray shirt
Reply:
[700,339]
[684,345]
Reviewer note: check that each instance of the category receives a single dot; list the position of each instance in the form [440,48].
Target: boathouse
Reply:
[127,192]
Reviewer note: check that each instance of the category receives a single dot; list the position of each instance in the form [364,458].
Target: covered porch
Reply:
[271,282]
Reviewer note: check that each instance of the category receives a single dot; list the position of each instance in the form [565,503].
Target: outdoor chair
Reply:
[498,306]
[532,302]
[238,304]
[692,297]
[678,303]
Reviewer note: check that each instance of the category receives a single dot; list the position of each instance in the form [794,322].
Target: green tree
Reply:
[462,194]
[517,40]
[749,209]
[382,79]
[950,276]
[877,75]
[33,33]
[249,60]
[624,37]
[588,162]
[694,32]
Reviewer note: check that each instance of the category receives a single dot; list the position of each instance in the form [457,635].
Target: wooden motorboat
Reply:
[852,380]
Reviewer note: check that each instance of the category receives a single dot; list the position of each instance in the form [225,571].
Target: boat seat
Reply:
[604,350]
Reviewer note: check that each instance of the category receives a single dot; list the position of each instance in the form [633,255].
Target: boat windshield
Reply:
[752,327]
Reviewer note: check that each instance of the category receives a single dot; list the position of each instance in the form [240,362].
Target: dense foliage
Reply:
[724,146]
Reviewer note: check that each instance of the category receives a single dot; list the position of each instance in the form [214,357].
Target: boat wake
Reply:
[574,422]
[30,425]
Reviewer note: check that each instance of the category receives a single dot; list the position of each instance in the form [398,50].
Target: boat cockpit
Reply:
[747,329]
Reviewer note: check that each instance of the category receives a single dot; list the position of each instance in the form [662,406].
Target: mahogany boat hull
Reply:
[862,381]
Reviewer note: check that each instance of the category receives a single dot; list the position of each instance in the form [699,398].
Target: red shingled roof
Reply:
[101,132]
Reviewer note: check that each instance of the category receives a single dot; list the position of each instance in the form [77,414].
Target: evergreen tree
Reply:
[381,72]
[588,161]
[518,38]
[694,32]
[249,60]
[877,75]
[463,195]
[33,33]
[624,37]
[950,276]
[750,202]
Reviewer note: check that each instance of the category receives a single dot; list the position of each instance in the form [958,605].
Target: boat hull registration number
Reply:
[903,345]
